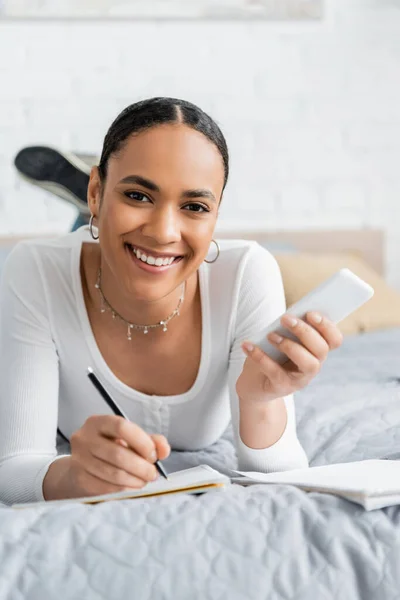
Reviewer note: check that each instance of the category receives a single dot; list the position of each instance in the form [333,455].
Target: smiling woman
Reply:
[136,299]
[157,188]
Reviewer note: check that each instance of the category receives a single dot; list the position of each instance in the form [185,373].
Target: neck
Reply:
[106,306]
[136,311]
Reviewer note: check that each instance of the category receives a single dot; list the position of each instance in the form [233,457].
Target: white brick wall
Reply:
[311,111]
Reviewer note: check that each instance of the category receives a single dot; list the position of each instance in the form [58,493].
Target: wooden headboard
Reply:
[367,243]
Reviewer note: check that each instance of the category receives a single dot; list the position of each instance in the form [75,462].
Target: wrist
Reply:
[56,481]
[265,409]
[262,424]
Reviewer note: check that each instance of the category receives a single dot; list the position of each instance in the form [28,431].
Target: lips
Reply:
[147,267]
[150,253]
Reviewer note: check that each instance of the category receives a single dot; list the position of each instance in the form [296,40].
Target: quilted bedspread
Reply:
[260,542]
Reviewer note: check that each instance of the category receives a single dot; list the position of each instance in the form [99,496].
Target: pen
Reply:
[116,409]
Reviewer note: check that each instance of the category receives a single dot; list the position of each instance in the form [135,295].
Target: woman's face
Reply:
[160,198]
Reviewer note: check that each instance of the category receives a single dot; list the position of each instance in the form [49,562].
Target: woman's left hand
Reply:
[262,379]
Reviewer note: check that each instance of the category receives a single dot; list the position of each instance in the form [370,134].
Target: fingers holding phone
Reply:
[291,350]
[315,336]
[332,301]
[265,379]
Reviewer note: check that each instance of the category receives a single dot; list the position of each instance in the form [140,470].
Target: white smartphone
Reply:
[335,299]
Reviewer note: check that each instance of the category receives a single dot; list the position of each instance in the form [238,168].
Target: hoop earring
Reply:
[218,250]
[91,228]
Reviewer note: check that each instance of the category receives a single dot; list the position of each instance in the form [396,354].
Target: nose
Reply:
[163,226]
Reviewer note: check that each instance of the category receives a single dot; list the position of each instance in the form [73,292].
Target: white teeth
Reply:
[151,260]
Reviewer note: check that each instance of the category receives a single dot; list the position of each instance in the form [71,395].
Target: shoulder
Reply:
[31,261]
[255,274]
[247,258]
[37,250]
[248,281]
[20,262]
[244,275]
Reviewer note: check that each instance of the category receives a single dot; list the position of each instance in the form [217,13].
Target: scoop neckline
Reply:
[99,362]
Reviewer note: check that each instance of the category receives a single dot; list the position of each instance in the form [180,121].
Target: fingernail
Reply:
[249,347]
[291,321]
[316,317]
[274,337]
[122,443]
[153,456]
[154,476]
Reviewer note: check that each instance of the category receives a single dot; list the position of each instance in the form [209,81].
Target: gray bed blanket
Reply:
[260,542]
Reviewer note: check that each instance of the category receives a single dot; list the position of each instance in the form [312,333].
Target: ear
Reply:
[94,191]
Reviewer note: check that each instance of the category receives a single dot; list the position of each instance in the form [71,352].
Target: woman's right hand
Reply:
[110,454]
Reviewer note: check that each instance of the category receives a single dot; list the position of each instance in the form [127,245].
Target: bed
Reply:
[259,542]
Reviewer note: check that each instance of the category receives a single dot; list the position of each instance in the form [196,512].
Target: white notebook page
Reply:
[369,477]
[199,476]
[372,483]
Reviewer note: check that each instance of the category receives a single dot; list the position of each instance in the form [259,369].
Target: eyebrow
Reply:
[150,185]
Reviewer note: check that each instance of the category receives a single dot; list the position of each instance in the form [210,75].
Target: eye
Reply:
[139,196]
[195,207]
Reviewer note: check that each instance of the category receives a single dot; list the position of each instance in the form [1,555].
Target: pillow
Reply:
[302,272]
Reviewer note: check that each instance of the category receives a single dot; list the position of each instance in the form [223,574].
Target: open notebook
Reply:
[371,483]
[195,480]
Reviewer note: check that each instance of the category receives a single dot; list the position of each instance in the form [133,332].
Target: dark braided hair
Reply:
[157,111]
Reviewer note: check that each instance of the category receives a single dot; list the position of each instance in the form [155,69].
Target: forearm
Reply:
[262,425]
[56,485]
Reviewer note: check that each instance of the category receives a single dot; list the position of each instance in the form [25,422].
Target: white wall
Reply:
[311,111]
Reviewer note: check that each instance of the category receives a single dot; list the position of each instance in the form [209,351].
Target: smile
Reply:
[151,263]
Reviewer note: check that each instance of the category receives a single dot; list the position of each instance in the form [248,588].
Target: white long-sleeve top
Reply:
[47,344]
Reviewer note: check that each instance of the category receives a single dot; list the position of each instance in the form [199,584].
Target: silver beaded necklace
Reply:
[105,305]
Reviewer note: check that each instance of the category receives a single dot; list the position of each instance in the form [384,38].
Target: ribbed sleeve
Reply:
[28,380]
[260,300]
